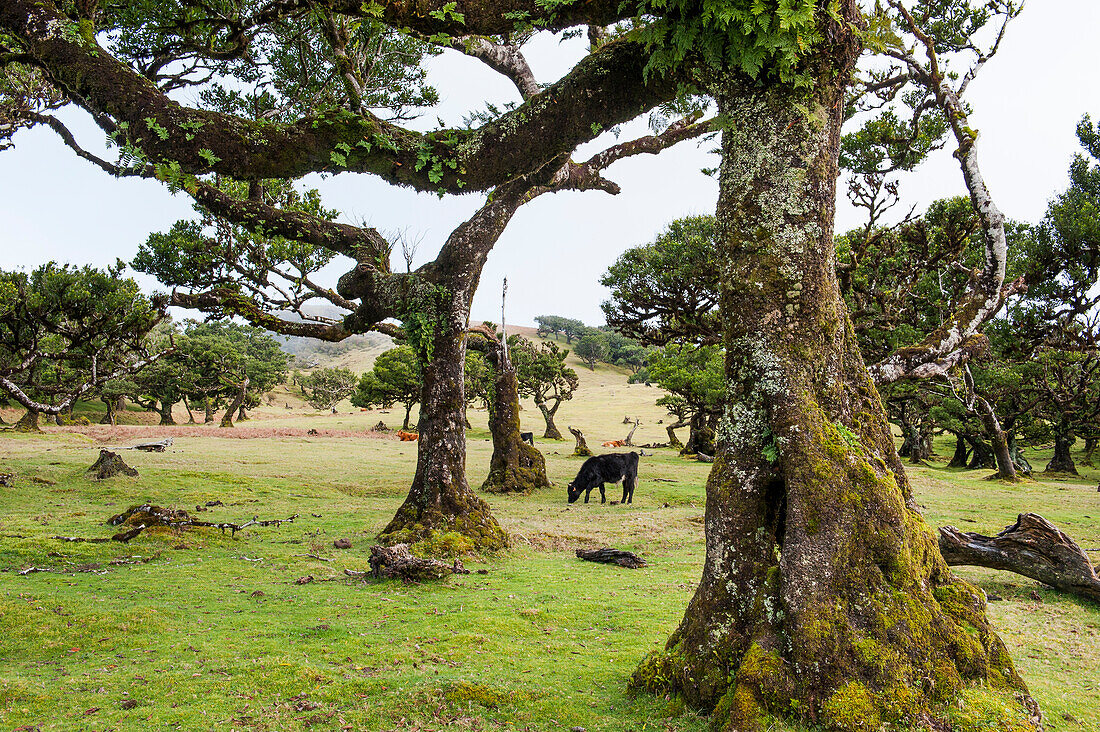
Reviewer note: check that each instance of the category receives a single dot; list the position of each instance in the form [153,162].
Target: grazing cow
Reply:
[408,436]
[606,469]
[528,437]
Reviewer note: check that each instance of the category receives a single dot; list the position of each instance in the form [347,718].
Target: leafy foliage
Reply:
[64,330]
[325,387]
[395,379]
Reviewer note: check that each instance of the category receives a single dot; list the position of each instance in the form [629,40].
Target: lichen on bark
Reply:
[824,598]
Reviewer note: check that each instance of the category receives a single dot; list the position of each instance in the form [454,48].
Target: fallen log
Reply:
[1032,547]
[397,562]
[158,446]
[607,555]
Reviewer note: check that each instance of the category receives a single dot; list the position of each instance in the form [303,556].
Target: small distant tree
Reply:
[591,349]
[395,379]
[66,331]
[264,363]
[694,379]
[325,387]
[544,377]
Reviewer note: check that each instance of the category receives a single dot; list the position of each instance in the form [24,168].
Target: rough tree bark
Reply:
[515,466]
[581,450]
[1033,547]
[165,412]
[1062,461]
[823,594]
[28,422]
[958,459]
[552,432]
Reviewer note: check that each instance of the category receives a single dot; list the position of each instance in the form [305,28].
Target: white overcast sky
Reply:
[1026,104]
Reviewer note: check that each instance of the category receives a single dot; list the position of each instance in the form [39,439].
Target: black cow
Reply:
[606,469]
[528,437]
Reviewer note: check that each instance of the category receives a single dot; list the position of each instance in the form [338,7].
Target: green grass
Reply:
[203,631]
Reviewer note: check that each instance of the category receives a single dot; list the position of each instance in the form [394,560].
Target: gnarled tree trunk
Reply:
[109,417]
[28,422]
[238,401]
[958,459]
[673,440]
[823,595]
[440,501]
[165,412]
[1033,547]
[552,432]
[982,454]
[1062,461]
[515,467]
[1017,455]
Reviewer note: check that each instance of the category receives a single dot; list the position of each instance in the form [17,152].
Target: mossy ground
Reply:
[543,641]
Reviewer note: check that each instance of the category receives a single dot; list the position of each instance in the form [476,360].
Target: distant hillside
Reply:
[356,353]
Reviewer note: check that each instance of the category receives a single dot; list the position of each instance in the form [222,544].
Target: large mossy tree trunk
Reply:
[552,432]
[28,422]
[440,500]
[823,595]
[515,466]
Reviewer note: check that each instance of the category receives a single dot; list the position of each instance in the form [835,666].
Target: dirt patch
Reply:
[123,433]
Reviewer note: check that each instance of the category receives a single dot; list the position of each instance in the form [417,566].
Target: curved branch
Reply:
[608,87]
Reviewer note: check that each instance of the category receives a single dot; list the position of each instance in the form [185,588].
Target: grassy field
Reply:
[197,630]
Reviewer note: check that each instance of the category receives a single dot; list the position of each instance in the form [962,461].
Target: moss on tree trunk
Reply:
[28,422]
[824,597]
[441,511]
[515,467]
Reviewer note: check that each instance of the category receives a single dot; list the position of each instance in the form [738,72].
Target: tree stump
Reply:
[108,465]
[1033,547]
[397,562]
[582,447]
[607,555]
